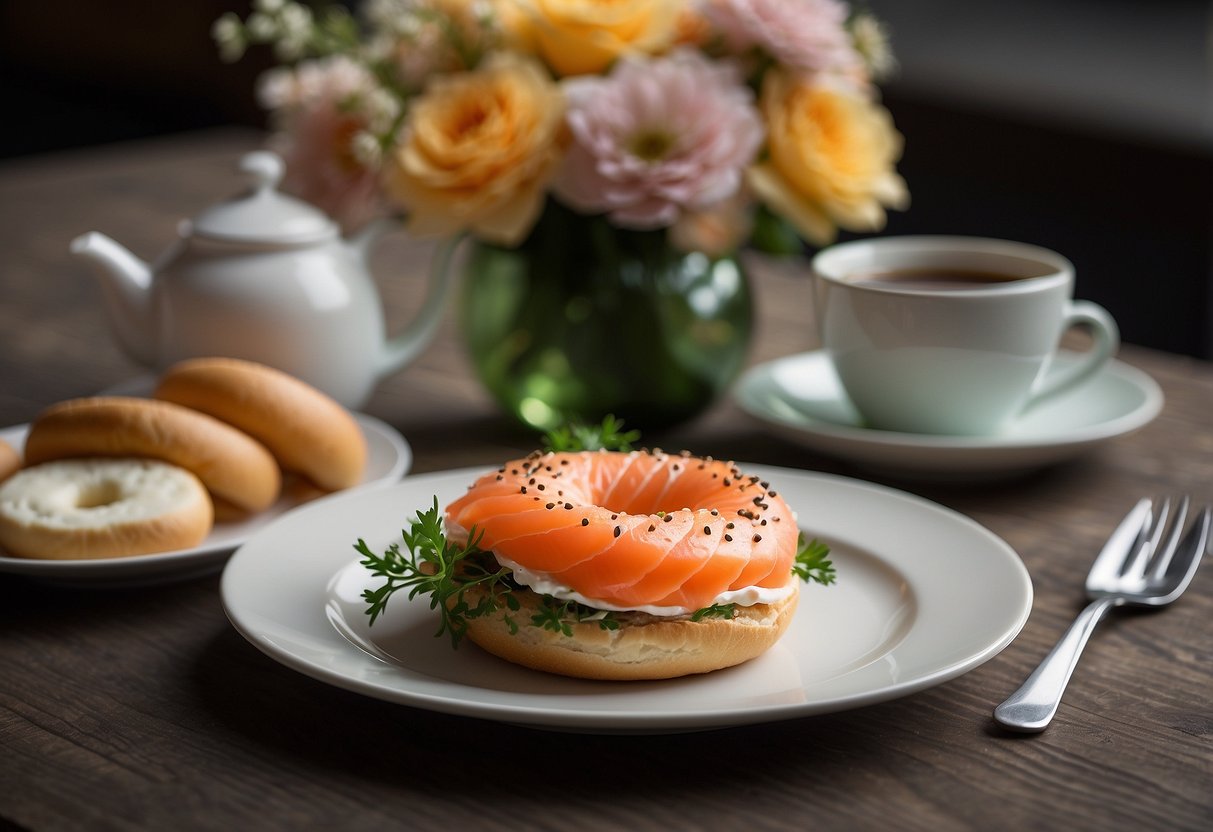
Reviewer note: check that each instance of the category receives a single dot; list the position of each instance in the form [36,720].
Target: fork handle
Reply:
[1031,708]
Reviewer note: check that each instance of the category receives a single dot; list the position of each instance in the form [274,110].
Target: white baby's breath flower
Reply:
[295,29]
[365,147]
[261,27]
[382,108]
[871,38]
[229,35]
[395,17]
[268,6]
[274,88]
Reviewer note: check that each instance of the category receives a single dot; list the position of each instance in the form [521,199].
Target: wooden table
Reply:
[144,709]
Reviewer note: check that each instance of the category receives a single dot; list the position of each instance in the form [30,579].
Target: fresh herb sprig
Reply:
[812,563]
[432,565]
[577,436]
[437,567]
[715,611]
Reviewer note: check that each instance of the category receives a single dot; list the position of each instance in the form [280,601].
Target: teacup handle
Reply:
[1107,338]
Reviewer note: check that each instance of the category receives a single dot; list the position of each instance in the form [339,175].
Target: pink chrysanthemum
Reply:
[805,35]
[656,138]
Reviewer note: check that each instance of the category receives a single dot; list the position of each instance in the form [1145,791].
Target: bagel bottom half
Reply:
[102,508]
[647,648]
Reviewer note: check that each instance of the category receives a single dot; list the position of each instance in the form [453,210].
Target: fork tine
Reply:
[1162,557]
[1187,556]
[1121,543]
[1134,566]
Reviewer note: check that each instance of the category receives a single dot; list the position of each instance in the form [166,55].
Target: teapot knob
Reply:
[266,168]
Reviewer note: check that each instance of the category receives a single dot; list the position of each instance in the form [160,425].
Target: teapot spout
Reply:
[126,283]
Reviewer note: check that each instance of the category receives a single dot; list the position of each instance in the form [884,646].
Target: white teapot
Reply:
[265,277]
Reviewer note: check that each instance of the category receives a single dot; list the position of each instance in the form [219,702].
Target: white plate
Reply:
[801,398]
[923,595]
[389,458]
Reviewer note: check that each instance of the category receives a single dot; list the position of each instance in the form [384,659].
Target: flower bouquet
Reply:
[608,158]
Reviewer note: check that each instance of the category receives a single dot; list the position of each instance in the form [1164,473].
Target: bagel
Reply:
[10,460]
[102,508]
[642,647]
[236,469]
[307,432]
[638,565]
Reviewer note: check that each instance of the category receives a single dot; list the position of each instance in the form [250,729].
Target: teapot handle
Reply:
[403,347]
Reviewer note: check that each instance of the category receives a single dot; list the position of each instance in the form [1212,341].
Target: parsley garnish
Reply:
[436,567]
[811,562]
[445,570]
[715,611]
[576,436]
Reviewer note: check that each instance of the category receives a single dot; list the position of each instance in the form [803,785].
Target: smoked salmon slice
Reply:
[632,530]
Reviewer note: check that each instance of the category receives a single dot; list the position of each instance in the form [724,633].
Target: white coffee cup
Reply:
[951,335]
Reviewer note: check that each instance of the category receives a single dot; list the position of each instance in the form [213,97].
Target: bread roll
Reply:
[306,431]
[235,468]
[10,460]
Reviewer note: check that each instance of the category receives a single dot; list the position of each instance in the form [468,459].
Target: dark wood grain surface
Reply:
[144,709]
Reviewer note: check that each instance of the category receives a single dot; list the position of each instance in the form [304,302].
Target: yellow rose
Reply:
[577,37]
[831,157]
[477,151]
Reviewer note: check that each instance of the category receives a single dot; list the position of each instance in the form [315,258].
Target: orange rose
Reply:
[831,158]
[577,37]
[477,151]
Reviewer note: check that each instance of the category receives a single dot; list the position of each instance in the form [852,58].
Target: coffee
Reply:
[934,279]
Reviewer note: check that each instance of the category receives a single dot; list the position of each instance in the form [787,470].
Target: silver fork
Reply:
[1137,567]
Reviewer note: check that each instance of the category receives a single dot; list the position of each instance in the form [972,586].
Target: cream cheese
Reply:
[745,597]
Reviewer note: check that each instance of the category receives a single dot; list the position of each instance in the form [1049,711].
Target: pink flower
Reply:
[327,112]
[656,138]
[806,35]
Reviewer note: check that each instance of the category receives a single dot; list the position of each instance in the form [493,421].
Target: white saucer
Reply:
[389,458]
[801,398]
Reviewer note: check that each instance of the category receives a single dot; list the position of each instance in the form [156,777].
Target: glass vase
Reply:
[584,319]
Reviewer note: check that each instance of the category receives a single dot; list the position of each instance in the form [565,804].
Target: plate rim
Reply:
[246,622]
[198,559]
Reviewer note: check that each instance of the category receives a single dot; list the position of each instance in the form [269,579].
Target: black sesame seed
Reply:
[524,489]
[757,538]
[618,530]
[652,527]
[540,486]
[585,521]
[772,494]
[729,538]
[550,506]
[707,529]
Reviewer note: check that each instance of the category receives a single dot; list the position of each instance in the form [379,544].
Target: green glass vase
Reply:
[584,319]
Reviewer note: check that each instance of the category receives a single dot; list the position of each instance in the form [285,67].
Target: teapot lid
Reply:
[263,214]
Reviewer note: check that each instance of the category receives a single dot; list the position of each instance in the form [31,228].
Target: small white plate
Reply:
[389,458]
[801,398]
[923,595]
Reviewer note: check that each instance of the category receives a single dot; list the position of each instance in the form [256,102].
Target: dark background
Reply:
[1081,125]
